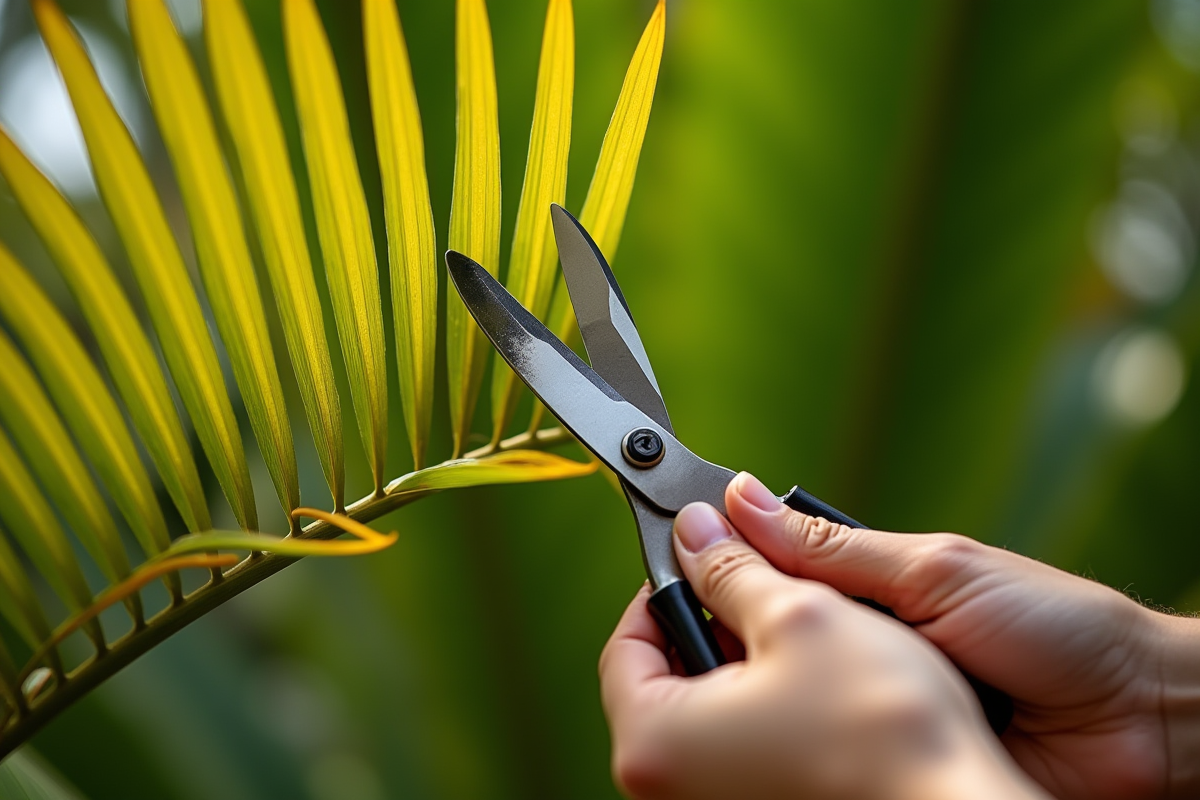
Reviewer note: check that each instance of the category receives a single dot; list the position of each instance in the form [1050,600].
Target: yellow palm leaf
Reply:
[224,258]
[408,215]
[85,403]
[612,183]
[366,541]
[126,350]
[342,223]
[47,448]
[42,469]
[531,267]
[33,523]
[158,266]
[511,466]
[249,111]
[18,601]
[475,208]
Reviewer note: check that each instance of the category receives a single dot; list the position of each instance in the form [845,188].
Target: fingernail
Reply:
[753,492]
[699,525]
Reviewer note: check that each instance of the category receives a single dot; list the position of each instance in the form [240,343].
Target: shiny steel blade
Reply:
[587,406]
[611,338]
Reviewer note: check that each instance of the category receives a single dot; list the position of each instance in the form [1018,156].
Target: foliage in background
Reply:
[25,776]
[904,254]
[45,470]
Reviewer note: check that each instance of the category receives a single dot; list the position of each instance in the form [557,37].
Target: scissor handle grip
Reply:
[997,706]
[679,614]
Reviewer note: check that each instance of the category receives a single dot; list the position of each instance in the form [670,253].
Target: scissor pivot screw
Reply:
[642,447]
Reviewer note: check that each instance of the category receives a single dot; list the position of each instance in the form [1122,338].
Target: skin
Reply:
[824,698]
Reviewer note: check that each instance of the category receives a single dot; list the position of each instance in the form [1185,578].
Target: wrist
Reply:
[1179,700]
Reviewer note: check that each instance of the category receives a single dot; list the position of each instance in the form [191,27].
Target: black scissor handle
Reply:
[679,614]
[997,706]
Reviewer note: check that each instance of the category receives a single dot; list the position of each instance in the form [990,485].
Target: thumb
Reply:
[919,576]
[730,577]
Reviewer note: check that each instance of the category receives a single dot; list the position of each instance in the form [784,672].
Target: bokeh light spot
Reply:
[36,109]
[1178,23]
[1140,376]
[1144,243]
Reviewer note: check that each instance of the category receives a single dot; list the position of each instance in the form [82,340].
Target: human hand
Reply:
[833,700]
[1107,692]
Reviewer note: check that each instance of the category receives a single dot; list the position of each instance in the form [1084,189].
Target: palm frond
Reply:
[342,223]
[43,440]
[409,216]
[61,421]
[531,265]
[608,194]
[126,350]
[157,263]
[475,208]
[261,154]
[224,257]
[89,409]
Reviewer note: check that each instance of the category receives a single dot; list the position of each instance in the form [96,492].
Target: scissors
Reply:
[615,409]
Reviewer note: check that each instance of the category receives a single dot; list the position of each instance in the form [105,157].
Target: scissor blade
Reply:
[611,338]
[587,406]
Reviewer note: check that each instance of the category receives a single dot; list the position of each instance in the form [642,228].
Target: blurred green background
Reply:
[932,260]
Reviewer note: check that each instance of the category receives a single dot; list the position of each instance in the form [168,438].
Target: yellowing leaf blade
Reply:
[225,263]
[251,116]
[291,546]
[408,215]
[475,207]
[28,414]
[35,527]
[366,540]
[18,602]
[85,403]
[608,195]
[343,225]
[534,255]
[157,264]
[510,466]
[126,350]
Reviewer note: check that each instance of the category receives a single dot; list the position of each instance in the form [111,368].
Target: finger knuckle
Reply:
[804,609]
[948,554]
[725,569]
[815,535]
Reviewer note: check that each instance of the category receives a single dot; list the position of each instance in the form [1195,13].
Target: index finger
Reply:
[635,655]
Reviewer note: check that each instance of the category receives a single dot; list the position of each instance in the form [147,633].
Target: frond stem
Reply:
[240,577]
[530,440]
